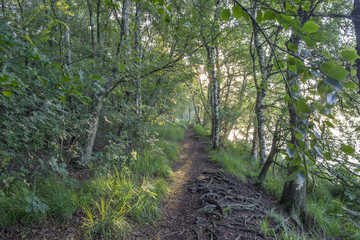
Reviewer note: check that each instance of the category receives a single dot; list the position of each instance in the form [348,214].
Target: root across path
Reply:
[205,203]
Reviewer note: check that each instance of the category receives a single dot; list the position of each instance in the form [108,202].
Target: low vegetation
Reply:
[109,202]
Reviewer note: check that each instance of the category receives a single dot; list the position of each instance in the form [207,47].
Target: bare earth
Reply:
[206,203]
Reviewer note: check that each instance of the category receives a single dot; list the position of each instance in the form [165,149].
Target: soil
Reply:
[206,203]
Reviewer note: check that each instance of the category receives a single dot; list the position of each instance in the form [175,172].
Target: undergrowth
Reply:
[326,218]
[112,200]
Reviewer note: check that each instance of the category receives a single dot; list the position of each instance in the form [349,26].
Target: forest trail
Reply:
[205,203]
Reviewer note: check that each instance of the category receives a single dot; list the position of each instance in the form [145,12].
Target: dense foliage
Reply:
[86,85]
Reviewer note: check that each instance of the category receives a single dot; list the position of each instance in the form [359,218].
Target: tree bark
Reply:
[138,49]
[91,135]
[125,21]
[261,90]
[274,150]
[294,192]
[215,88]
[92,29]
[98,31]
[67,40]
[255,143]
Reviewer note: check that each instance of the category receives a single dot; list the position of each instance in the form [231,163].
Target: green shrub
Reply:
[202,131]
[175,132]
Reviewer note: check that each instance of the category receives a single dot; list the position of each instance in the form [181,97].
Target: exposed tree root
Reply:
[226,208]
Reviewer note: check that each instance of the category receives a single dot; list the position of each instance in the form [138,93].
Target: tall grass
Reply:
[133,194]
[111,201]
[205,132]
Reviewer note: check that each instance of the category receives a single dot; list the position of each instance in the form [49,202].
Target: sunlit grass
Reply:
[202,131]
[111,201]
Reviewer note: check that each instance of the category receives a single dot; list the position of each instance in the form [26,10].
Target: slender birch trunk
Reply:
[216,114]
[125,21]
[215,89]
[255,142]
[261,91]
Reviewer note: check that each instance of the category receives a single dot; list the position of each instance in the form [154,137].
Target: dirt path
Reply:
[205,203]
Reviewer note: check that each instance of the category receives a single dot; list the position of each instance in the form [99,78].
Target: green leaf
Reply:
[300,68]
[327,156]
[309,42]
[298,136]
[7,93]
[310,27]
[259,16]
[329,124]
[318,106]
[269,15]
[334,83]
[287,98]
[353,72]
[167,19]
[160,11]
[302,107]
[349,85]
[327,67]
[122,67]
[292,47]
[237,11]
[349,55]
[295,162]
[28,38]
[318,36]
[225,14]
[290,151]
[334,71]
[347,149]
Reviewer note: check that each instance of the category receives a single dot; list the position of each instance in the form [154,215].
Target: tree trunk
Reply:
[214,96]
[261,90]
[216,117]
[67,40]
[98,23]
[139,55]
[294,192]
[274,150]
[3,6]
[255,143]
[91,134]
[215,87]
[356,16]
[92,30]
[125,21]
